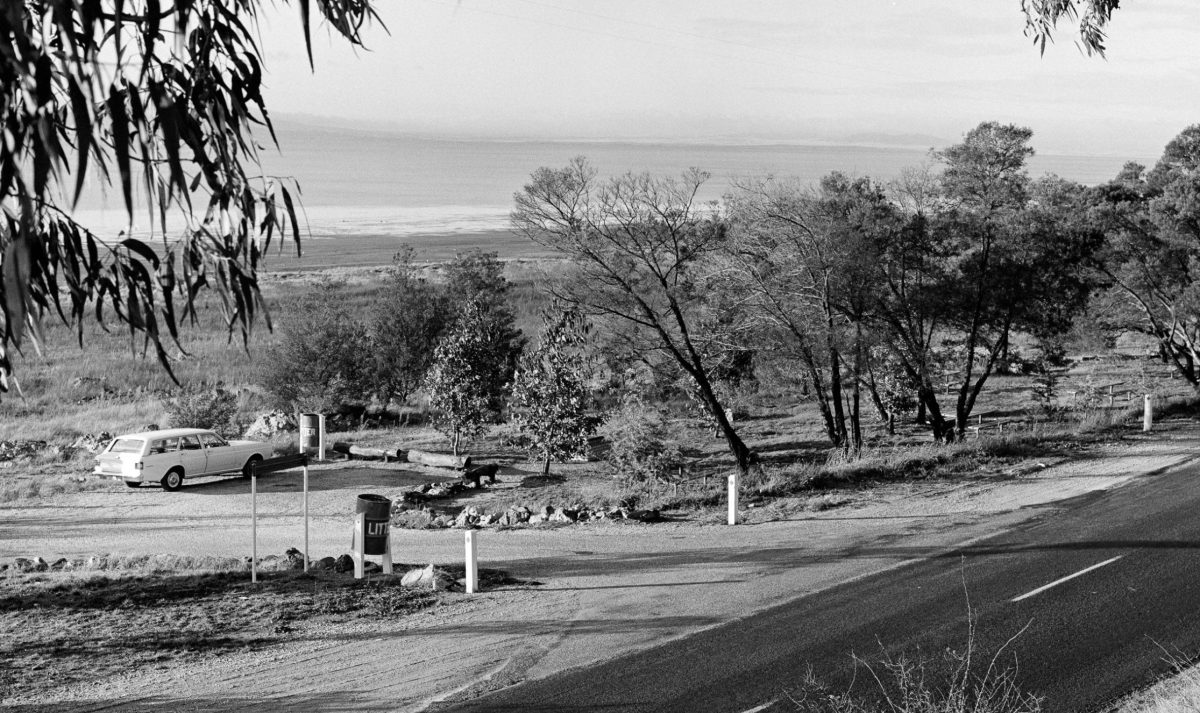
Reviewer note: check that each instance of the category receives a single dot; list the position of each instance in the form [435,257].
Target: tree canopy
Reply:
[159,101]
[1092,16]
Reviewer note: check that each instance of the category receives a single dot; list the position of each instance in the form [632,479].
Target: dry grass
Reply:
[1179,693]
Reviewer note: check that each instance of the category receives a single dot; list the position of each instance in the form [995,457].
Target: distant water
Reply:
[376,183]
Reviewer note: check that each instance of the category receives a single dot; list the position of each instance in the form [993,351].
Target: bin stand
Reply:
[356,549]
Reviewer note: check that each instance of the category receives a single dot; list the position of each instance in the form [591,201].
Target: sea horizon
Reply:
[370,182]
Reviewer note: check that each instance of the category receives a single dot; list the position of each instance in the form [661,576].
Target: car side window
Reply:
[190,443]
[169,445]
[212,440]
[158,446]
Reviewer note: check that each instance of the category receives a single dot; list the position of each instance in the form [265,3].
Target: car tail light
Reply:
[137,466]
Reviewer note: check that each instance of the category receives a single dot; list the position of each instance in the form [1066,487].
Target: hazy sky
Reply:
[787,69]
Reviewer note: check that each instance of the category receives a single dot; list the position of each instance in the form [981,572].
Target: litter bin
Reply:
[377,511]
[310,432]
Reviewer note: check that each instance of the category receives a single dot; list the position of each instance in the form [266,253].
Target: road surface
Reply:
[1100,592]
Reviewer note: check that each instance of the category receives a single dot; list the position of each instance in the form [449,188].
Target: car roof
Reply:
[166,433]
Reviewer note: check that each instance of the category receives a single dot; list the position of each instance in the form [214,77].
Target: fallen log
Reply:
[439,460]
[364,452]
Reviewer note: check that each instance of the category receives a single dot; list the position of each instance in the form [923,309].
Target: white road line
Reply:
[1069,577]
[763,707]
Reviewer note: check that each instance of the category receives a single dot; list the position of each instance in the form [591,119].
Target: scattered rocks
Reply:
[344,563]
[266,425]
[324,564]
[93,442]
[15,450]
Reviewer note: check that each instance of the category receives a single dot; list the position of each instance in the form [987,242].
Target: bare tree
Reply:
[642,248]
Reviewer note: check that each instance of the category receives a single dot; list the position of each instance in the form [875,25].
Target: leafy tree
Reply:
[642,250]
[477,277]
[1152,252]
[408,319]
[320,362]
[457,382]
[551,400]
[96,89]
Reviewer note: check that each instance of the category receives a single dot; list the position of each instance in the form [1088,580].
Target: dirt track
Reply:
[606,588]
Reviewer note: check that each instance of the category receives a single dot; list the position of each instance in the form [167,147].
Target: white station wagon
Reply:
[169,455]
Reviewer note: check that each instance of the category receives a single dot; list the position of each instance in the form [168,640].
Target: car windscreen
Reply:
[127,445]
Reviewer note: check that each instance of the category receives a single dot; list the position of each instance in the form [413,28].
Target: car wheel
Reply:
[173,480]
[132,484]
[249,467]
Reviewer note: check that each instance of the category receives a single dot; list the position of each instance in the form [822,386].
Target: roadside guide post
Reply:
[733,498]
[1148,414]
[254,524]
[472,562]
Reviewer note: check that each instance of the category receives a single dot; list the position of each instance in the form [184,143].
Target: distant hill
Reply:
[917,141]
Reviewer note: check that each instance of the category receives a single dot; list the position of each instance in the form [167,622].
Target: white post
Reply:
[321,437]
[1148,414]
[306,518]
[253,527]
[472,562]
[733,498]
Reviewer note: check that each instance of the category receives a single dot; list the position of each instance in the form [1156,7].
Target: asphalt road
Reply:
[1098,594]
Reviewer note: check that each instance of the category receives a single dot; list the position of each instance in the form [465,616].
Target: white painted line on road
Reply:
[763,707]
[1067,578]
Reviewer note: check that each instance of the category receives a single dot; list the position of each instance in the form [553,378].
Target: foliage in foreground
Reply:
[93,89]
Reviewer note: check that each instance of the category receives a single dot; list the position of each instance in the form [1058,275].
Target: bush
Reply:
[322,361]
[637,436]
[203,408]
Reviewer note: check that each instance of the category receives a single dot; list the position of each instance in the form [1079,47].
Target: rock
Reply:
[415,577]
[561,516]
[429,576]
[22,564]
[13,450]
[60,564]
[646,515]
[441,521]
[97,562]
[536,519]
[547,512]
[293,559]
[344,563]
[370,567]
[325,564]
[489,519]
[266,425]
[270,563]
[93,442]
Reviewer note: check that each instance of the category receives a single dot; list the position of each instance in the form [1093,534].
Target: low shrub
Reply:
[203,408]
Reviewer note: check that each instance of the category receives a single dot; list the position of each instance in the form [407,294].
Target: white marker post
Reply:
[306,518]
[254,525]
[733,498]
[321,436]
[1148,414]
[472,562]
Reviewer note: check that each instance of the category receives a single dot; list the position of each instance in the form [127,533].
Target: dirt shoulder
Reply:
[604,588]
